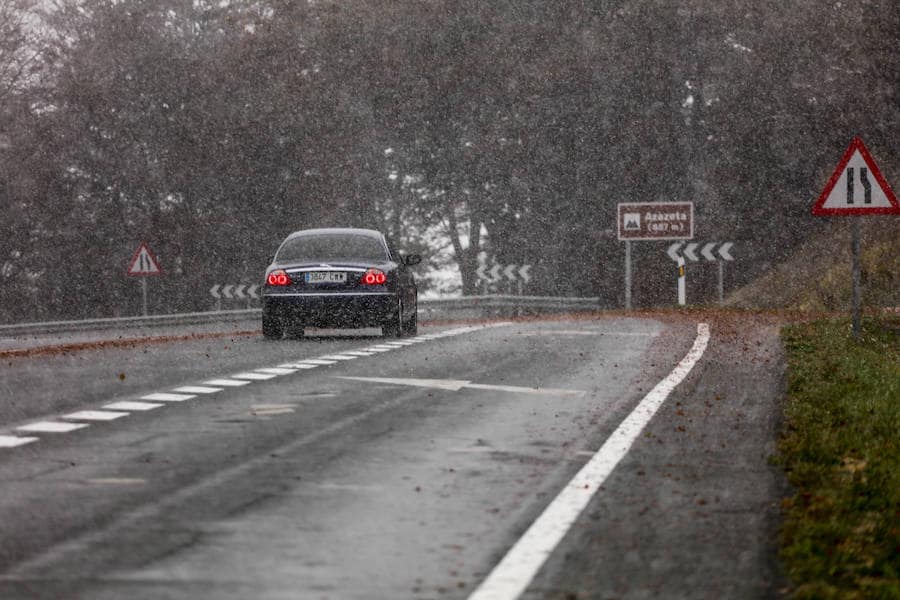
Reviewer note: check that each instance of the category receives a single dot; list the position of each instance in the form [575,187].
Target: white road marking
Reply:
[525,390]
[12,441]
[117,410]
[555,332]
[453,385]
[511,577]
[95,415]
[167,397]
[133,405]
[457,384]
[116,481]
[197,389]
[254,376]
[226,382]
[51,427]
[264,410]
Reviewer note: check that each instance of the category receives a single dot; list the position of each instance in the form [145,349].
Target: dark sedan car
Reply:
[339,278]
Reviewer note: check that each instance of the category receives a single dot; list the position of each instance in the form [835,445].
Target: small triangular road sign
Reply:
[143,262]
[856,187]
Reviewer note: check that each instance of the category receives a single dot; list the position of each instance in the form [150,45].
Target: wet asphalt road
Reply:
[402,473]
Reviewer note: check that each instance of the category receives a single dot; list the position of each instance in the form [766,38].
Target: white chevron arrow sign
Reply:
[673,251]
[232,291]
[524,273]
[495,273]
[707,251]
[498,272]
[724,251]
[689,251]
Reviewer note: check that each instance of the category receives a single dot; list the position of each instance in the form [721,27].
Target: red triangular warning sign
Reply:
[857,187]
[143,262]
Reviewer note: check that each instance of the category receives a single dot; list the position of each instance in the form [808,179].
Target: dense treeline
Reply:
[508,128]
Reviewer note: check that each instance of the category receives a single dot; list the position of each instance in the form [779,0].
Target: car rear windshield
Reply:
[332,246]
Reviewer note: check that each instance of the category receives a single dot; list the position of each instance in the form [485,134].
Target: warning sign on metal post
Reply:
[856,187]
[143,262]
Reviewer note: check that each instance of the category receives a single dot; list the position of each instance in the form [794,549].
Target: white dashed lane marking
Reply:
[226,382]
[168,397]
[12,441]
[116,410]
[197,389]
[277,371]
[254,376]
[51,427]
[133,405]
[95,415]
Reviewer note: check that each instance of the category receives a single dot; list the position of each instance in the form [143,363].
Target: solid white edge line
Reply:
[512,575]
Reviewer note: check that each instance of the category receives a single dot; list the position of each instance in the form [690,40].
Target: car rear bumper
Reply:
[331,309]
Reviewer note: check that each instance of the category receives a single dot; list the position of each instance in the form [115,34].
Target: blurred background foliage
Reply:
[507,129]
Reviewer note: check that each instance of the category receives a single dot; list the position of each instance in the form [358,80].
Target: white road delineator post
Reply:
[682,300]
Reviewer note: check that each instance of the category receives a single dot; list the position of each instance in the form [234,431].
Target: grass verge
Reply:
[841,451]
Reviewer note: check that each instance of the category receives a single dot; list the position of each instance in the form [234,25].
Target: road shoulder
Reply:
[693,510]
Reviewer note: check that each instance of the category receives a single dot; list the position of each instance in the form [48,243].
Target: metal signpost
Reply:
[143,263]
[652,221]
[841,197]
[707,251]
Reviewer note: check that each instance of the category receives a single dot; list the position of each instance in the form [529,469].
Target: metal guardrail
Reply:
[429,309]
[222,316]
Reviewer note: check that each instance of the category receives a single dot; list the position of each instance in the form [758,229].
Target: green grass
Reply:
[841,452]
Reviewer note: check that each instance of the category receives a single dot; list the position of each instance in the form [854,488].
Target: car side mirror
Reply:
[412,259]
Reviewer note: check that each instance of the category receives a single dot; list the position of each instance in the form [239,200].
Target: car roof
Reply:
[337,230]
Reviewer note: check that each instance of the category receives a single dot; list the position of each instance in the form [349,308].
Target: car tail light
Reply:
[278,277]
[373,277]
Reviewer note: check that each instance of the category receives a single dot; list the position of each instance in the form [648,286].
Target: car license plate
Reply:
[326,277]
